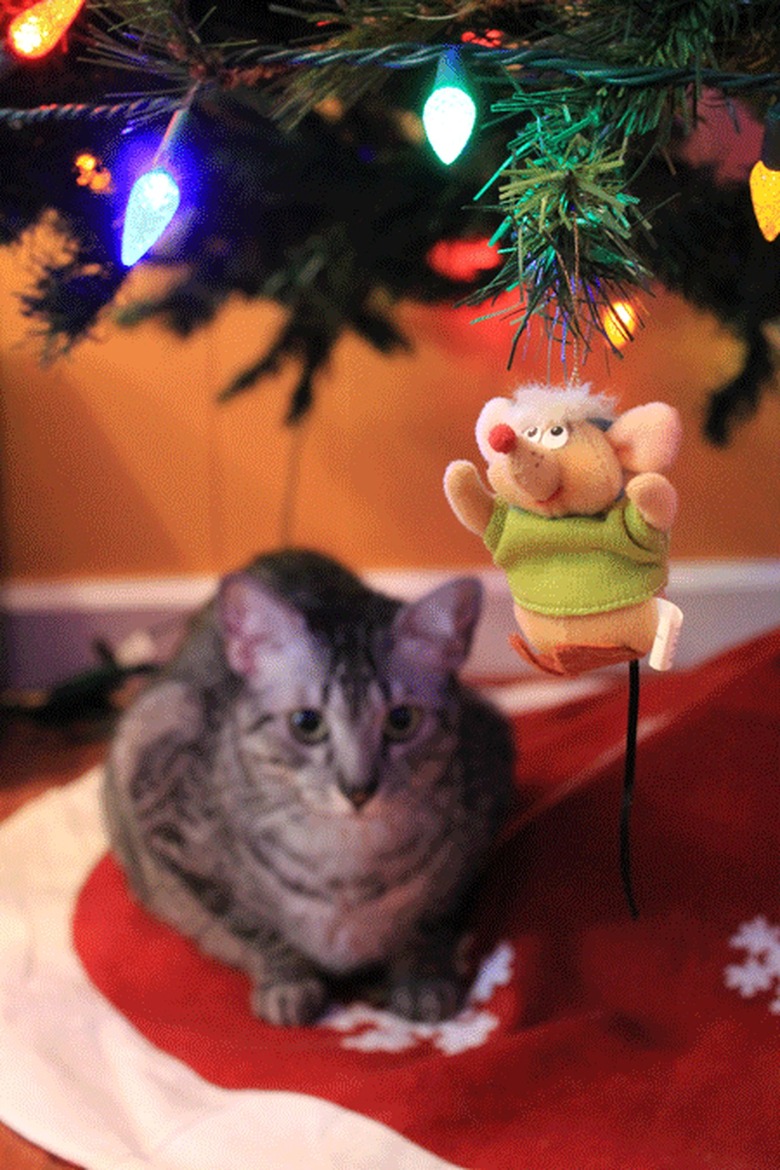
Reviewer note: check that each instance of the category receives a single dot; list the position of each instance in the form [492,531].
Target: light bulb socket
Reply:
[449,70]
[770,147]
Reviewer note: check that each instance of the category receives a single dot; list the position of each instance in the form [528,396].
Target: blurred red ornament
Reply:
[462,259]
[491,38]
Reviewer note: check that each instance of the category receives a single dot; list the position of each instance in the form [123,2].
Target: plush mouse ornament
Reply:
[579,521]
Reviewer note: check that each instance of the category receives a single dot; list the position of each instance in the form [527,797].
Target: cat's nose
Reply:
[358,794]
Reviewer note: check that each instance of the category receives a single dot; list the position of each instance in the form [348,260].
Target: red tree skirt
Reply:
[598,1042]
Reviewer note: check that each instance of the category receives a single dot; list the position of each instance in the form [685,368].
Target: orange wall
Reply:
[116,460]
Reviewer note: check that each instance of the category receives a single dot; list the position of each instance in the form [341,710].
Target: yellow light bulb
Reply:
[619,321]
[765,194]
[34,32]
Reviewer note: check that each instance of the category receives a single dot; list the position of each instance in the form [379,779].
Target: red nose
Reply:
[502,439]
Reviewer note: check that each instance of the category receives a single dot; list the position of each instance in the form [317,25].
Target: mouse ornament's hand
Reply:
[471,502]
[654,498]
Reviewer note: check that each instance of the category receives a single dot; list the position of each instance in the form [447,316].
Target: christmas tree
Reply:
[295,154]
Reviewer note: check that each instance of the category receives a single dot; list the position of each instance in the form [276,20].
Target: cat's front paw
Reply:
[427,998]
[291,1004]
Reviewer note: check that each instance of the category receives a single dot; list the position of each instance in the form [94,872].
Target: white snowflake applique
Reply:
[368,1029]
[760,969]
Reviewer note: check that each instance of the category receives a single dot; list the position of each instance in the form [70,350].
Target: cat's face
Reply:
[340,758]
[351,733]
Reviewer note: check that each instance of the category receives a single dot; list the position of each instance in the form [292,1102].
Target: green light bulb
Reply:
[449,113]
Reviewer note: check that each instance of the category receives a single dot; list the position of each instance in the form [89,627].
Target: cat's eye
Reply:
[555,436]
[308,725]
[401,722]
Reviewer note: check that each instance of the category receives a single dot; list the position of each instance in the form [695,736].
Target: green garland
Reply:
[568,217]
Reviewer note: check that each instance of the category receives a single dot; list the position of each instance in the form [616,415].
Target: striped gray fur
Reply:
[309,792]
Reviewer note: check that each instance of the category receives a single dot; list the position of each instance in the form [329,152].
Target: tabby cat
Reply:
[309,792]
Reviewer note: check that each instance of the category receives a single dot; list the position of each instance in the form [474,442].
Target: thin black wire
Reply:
[629,775]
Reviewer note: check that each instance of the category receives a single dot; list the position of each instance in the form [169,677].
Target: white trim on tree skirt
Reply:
[79,1080]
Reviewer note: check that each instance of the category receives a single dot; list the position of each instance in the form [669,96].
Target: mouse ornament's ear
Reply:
[646,438]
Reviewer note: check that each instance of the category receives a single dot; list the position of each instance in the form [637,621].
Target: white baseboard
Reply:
[49,628]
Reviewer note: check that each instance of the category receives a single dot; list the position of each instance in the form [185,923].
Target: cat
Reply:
[309,792]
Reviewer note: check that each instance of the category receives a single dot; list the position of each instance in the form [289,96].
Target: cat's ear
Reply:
[256,625]
[437,630]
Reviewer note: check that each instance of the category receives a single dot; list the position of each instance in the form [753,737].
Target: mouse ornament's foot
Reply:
[568,660]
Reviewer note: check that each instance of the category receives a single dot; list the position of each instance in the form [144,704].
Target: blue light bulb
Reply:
[151,207]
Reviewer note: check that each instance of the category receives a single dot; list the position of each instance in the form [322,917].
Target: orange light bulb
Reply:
[86,162]
[34,32]
[101,182]
[619,321]
[91,173]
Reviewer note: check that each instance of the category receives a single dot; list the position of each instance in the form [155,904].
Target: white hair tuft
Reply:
[536,404]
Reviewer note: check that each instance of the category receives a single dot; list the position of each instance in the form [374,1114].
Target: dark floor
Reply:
[35,757]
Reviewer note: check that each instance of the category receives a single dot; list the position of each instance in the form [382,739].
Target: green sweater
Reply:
[572,565]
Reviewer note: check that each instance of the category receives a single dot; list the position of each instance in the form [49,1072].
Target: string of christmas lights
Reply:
[567,110]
